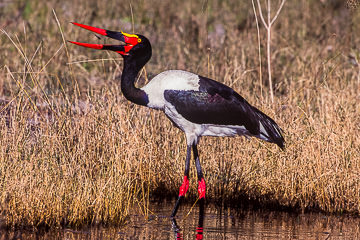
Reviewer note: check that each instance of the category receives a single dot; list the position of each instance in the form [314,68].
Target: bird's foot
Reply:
[184,186]
[202,188]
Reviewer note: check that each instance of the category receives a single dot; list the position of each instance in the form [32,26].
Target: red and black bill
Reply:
[129,39]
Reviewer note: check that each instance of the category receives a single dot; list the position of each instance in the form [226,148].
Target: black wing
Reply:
[216,103]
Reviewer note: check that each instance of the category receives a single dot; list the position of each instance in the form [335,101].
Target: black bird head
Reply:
[137,47]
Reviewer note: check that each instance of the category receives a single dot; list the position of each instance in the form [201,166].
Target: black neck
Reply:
[128,88]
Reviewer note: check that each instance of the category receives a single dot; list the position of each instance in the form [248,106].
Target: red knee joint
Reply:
[202,188]
[184,187]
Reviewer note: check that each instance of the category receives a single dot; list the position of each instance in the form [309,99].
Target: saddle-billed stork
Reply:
[197,105]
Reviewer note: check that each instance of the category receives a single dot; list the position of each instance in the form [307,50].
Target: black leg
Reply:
[185,185]
[202,185]
[200,227]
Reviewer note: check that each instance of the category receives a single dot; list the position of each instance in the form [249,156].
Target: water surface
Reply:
[213,223]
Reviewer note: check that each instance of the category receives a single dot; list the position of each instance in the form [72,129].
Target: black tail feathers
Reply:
[269,130]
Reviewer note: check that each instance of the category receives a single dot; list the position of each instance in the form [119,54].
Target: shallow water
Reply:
[214,223]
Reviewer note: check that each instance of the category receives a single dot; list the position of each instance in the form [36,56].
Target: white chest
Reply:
[169,80]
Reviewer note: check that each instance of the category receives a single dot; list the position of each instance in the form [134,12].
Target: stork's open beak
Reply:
[129,39]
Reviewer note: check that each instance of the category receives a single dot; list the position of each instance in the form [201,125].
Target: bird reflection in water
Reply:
[199,228]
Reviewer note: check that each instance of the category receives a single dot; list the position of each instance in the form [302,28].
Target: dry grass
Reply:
[76,156]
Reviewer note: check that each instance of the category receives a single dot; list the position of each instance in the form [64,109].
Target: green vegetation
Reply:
[73,151]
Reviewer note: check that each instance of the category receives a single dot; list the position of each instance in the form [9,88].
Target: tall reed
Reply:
[73,157]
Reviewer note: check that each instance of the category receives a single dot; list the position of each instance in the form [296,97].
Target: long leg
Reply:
[201,181]
[185,185]
[200,227]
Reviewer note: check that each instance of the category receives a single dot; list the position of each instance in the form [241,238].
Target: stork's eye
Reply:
[139,40]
